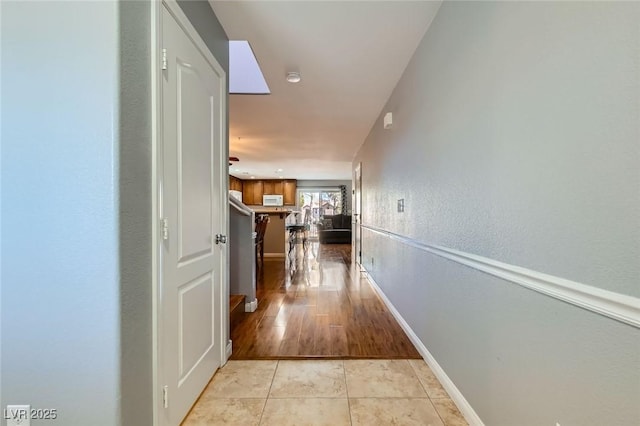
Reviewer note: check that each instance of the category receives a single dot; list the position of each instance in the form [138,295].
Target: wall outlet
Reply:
[401,205]
[18,415]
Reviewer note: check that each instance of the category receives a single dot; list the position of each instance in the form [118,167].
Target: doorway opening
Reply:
[314,204]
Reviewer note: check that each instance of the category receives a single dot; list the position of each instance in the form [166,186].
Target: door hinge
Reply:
[164,59]
[165,396]
[165,229]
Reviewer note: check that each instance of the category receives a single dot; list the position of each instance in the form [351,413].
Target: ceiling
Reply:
[350,54]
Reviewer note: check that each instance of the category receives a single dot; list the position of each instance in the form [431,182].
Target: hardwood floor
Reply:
[318,306]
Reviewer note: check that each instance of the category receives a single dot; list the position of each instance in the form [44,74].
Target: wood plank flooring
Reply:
[318,306]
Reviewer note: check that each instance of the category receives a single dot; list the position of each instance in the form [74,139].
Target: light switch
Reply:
[401,205]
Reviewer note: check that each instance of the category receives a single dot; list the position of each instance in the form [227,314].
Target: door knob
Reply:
[221,239]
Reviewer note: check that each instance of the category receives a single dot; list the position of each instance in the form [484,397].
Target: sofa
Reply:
[335,229]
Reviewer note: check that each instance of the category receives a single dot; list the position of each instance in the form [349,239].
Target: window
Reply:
[245,75]
[317,203]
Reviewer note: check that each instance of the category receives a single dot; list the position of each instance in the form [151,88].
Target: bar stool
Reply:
[261,227]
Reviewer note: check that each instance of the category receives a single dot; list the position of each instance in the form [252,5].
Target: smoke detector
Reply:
[293,77]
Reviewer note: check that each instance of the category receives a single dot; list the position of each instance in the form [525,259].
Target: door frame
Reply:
[356,203]
[156,211]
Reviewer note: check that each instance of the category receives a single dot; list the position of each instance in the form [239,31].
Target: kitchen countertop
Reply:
[260,209]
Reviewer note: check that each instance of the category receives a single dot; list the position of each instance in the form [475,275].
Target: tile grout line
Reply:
[425,391]
[414,368]
[415,372]
[346,388]
[382,397]
[268,392]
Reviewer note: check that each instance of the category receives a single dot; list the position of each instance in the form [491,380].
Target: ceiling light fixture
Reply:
[293,77]
[253,177]
[279,171]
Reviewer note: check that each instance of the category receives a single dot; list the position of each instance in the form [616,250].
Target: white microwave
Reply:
[272,200]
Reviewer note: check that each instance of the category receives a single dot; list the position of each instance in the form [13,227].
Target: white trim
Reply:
[356,214]
[1,209]
[229,350]
[456,396]
[617,306]
[251,306]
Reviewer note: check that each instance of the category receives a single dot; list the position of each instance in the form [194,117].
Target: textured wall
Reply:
[518,357]
[135,187]
[76,197]
[515,137]
[60,325]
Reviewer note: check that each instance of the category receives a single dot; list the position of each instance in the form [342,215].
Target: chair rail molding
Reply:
[617,306]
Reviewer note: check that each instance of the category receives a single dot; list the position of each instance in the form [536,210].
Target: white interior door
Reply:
[192,207]
[357,213]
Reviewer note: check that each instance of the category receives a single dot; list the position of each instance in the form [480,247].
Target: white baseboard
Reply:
[251,306]
[463,405]
[229,348]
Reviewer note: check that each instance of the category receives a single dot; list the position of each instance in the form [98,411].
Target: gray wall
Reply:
[516,138]
[135,187]
[76,200]
[241,247]
[209,28]
[60,266]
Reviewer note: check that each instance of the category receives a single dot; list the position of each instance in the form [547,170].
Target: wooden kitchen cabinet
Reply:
[258,191]
[253,190]
[278,187]
[235,184]
[247,192]
[272,187]
[267,187]
[290,192]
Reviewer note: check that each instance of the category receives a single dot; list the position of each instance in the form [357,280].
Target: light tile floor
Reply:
[325,392]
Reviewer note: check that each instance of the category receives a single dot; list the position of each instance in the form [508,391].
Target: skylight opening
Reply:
[245,75]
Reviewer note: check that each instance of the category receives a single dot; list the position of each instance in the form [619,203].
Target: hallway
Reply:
[318,306]
[327,392]
[322,349]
